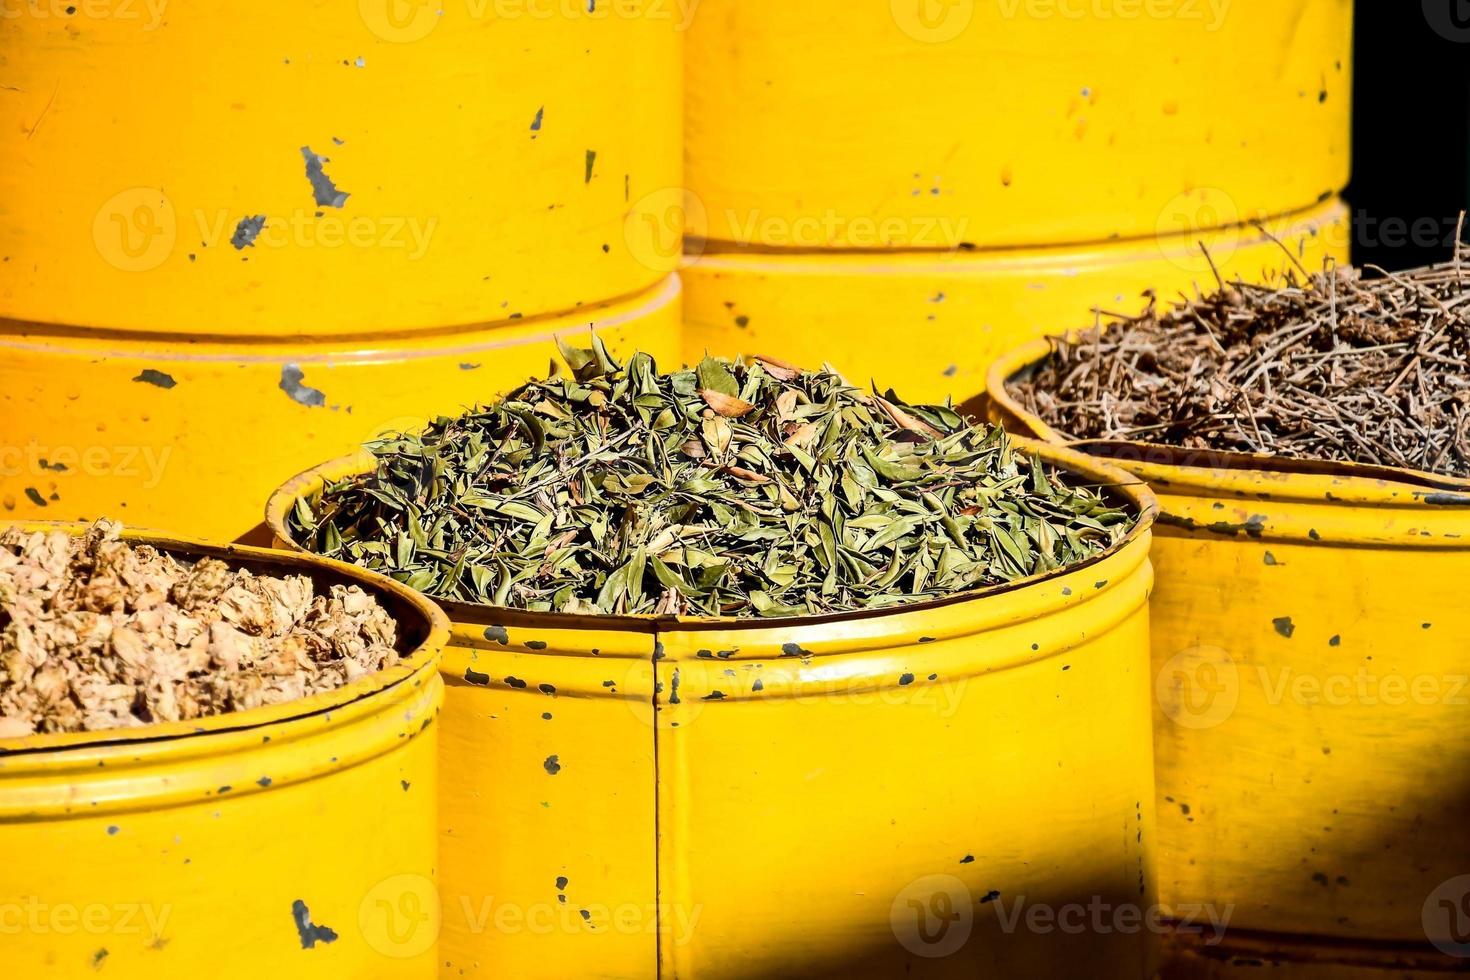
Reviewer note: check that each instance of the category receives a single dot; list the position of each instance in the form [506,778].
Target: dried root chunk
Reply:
[97,634]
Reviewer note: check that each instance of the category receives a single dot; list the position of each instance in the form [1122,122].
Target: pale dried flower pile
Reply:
[97,633]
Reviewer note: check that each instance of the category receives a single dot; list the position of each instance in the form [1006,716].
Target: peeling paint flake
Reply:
[323,190]
[291,383]
[247,230]
[158,378]
[309,933]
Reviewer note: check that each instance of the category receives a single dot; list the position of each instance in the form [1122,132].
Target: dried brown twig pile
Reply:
[1335,366]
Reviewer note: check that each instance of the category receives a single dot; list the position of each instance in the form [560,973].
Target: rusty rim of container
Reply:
[1122,486]
[1218,472]
[423,632]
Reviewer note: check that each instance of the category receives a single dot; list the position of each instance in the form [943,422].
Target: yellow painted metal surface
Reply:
[929,325]
[182,849]
[1312,690]
[927,123]
[628,796]
[194,434]
[490,152]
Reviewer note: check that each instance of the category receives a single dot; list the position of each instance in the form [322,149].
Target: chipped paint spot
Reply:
[591,160]
[34,496]
[497,634]
[1284,626]
[156,378]
[536,123]
[475,677]
[516,683]
[535,644]
[323,191]
[291,383]
[552,765]
[905,680]
[309,933]
[246,231]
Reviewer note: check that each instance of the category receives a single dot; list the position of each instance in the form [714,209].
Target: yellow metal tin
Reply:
[181,849]
[491,153]
[978,756]
[930,325]
[194,433]
[1312,686]
[920,125]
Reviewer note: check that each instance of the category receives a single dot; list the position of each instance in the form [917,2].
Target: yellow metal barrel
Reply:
[243,239]
[296,840]
[828,124]
[199,433]
[1312,717]
[863,793]
[930,323]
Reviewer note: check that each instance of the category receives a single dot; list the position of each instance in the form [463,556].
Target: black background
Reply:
[1411,131]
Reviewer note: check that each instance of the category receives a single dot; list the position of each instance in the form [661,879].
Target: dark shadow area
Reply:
[1411,130]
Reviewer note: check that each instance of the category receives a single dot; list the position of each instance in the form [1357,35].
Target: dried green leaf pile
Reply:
[1336,366]
[733,489]
[97,633]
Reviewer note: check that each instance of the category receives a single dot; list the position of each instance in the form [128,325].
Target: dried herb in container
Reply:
[97,633]
[1347,366]
[750,488]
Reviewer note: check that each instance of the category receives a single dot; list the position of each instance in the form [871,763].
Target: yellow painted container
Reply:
[294,840]
[490,154]
[920,124]
[1312,683]
[954,312]
[196,433]
[265,237]
[865,793]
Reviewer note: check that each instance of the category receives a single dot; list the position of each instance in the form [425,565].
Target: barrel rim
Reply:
[1225,472]
[1135,494]
[423,629]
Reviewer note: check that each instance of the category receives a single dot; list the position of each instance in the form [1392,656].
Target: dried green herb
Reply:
[1337,366]
[732,489]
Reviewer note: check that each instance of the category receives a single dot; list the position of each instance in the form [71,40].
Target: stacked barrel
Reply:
[237,240]
[907,189]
